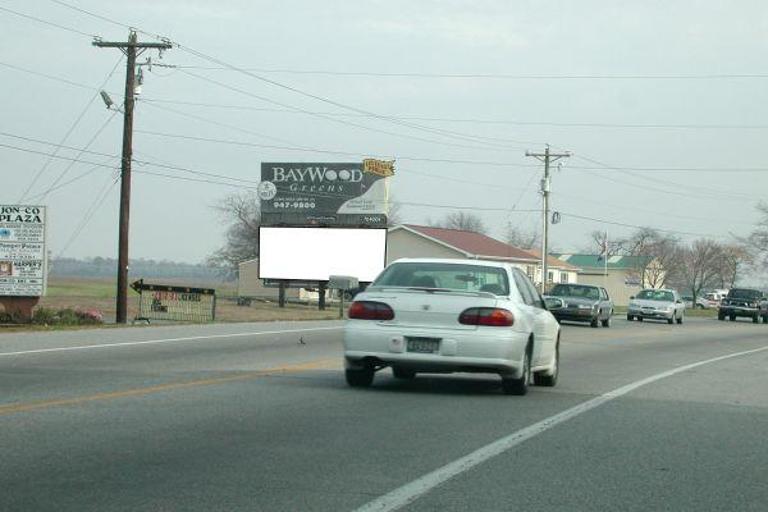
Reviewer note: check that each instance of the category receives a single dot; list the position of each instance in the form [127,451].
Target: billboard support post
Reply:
[281,295]
[321,295]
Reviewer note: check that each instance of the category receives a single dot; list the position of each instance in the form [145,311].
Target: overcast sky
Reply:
[700,121]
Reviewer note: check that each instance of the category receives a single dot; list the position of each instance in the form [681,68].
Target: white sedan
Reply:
[443,316]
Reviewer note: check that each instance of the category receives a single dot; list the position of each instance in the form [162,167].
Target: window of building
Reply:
[564,277]
[550,276]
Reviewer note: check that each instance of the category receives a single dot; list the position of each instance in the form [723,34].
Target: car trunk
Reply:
[432,309]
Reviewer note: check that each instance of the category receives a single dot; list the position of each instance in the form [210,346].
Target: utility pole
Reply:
[132,49]
[548,158]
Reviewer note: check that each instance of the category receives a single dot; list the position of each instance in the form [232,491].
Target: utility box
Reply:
[343,283]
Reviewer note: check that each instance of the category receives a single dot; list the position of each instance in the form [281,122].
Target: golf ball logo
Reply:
[266,190]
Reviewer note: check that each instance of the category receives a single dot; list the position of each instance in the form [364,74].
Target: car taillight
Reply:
[369,310]
[493,317]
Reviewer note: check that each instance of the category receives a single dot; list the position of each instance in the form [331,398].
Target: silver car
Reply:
[657,304]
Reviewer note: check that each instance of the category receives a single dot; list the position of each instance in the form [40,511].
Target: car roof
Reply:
[454,261]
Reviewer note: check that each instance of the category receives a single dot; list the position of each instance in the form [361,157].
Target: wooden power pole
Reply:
[548,158]
[132,49]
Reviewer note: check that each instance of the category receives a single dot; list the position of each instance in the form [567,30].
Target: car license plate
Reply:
[423,345]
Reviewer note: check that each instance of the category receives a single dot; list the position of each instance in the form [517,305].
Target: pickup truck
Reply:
[744,302]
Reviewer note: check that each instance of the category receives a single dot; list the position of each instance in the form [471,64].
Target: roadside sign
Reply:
[23,262]
[179,303]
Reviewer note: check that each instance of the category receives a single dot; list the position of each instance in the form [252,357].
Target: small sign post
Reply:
[342,284]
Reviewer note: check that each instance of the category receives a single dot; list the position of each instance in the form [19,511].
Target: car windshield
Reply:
[571,290]
[448,276]
[660,295]
[744,294]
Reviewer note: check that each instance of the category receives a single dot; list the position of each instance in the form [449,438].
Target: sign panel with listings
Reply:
[331,194]
[23,263]
[178,303]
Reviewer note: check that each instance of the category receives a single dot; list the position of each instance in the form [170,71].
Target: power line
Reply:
[709,193]
[71,129]
[499,76]
[637,226]
[472,120]
[472,162]
[80,153]
[89,13]
[332,152]
[45,75]
[46,22]
[77,178]
[473,208]
[405,203]
[335,120]
[89,213]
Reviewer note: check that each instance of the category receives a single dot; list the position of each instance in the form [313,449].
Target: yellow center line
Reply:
[161,388]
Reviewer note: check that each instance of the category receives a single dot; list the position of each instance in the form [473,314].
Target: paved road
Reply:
[257,417]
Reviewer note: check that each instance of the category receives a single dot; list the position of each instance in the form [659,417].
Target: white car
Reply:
[657,304]
[444,315]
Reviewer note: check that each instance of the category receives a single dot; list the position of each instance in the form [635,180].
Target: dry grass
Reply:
[82,293]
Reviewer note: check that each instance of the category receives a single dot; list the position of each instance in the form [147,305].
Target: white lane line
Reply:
[410,492]
[166,340]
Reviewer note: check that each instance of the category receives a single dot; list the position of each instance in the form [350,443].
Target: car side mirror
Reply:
[553,303]
[631,297]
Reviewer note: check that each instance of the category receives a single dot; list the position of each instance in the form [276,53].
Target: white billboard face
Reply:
[315,254]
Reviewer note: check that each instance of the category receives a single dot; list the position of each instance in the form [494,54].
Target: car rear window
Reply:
[571,290]
[662,295]
[450,276]
[744,294]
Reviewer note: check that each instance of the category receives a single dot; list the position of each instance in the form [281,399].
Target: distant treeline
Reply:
[107,267]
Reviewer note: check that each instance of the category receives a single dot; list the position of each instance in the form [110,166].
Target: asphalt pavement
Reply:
[258,417]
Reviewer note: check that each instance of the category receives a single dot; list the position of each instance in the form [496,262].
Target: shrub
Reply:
[67,316]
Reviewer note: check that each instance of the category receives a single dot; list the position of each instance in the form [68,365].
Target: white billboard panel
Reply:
[315,254]
[22,250]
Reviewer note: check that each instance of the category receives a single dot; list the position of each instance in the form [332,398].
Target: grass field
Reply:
[83,293]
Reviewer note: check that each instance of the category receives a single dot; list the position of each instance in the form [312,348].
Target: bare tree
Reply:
[241,213]
[757,242]
[733,258]
[655,254]
[394,216]
[463,221]
[699,267]
[522,238]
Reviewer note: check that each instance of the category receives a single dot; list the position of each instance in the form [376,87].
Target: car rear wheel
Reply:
[549,379]
[595,321]
[639,319]
[732,318]
[721,316]
[402,373]
[361,378]
[518,386]
[756,319]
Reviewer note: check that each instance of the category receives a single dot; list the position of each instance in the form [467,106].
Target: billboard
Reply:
[315,254]
[23,262]
[305,194]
